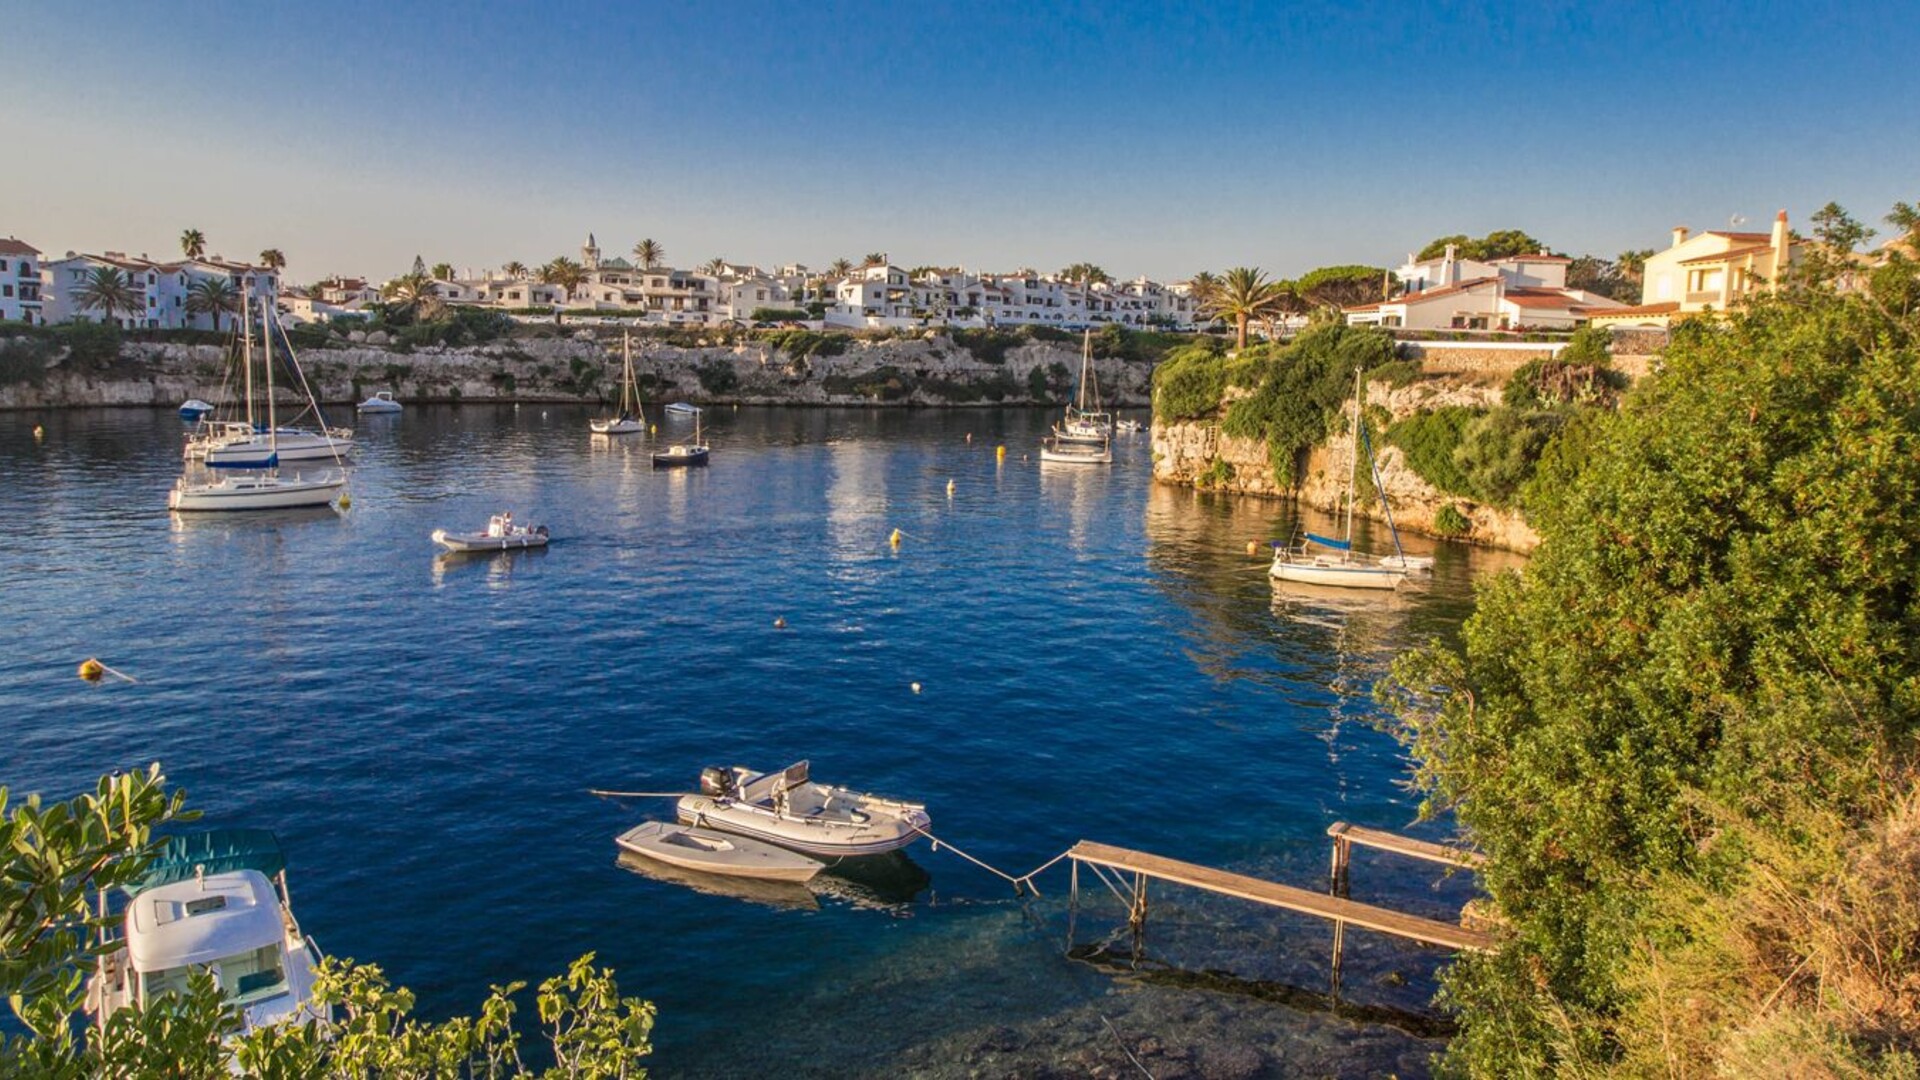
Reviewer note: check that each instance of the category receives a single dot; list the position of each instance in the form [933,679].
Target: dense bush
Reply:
[1449,521]
[1188,383]
[1711,654]
[768,314]
[1498,451]
[1397,374]
[1429,439]
[804,343]
[91,346]
[987,346]
[1579,374]
[718,377]
[24,360]
[1300,389]
[1137,346]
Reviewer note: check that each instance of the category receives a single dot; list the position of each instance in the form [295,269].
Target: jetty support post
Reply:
[1342,859]
[1073,902]
[1137,917]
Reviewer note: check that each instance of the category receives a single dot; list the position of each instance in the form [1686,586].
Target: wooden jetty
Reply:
[1345,836]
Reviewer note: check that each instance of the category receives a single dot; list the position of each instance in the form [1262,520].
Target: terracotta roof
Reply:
[1539,298]
[1730,253]
[1666,307]
[10,246]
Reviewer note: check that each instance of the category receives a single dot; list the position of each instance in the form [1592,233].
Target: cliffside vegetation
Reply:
[1685,734]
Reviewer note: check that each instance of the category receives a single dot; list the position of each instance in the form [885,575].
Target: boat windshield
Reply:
[244,977]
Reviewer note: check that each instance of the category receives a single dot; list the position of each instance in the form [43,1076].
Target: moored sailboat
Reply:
[1321,560]
[631,420]
[683,454]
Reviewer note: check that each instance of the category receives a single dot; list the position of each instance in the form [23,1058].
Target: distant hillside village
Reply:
[1447,289]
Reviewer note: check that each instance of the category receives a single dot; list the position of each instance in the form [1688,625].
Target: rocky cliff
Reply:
[930,370]
[1198,453]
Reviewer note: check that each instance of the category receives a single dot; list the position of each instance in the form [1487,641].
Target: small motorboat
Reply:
[501,534]
[381,402]
[788,809]
[709,852]
[193,410]
[681,408]
[1128,427]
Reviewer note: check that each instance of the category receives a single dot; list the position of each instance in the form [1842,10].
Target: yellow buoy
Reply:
[894,540]
[1253,547]
[653,429]
[92,670]
[779,623]
[1000,453]
[346,501]
[39,433]
[949,489]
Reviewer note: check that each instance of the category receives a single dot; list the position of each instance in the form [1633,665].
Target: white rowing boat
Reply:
[710,852]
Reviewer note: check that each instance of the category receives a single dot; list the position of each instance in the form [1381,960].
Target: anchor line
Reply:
[1024,881]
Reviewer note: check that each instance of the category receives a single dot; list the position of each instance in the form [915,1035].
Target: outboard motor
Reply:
[716,781]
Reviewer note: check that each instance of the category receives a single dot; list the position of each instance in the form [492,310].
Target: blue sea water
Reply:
[1097,657]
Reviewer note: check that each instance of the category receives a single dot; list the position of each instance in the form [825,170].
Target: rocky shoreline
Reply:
[904,372]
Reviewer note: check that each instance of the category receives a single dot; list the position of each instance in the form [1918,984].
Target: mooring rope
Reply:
[1024,881]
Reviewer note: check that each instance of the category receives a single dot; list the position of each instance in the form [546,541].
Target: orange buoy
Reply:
[92,670]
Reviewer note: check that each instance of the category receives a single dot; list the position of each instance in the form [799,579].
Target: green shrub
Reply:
[987,346]
[91,346]
[884,383]
[1188,384]
[1498,451]
[1398,374]
[804,343]
[1218,474]
[768,314]
[1299,389]
[1037,386]
[1449,521]
[23,360]
[1429,439]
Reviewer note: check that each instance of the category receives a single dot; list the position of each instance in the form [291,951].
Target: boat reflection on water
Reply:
[500,565]
[252,521]
[786,895]
[888,883]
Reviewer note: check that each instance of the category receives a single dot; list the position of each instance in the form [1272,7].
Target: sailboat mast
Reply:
[266,360]
[1353,454]
[246,351]
[626,356]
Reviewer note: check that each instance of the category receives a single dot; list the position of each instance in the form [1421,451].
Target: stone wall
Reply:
[1485,359]
[1197,453]
[915,371]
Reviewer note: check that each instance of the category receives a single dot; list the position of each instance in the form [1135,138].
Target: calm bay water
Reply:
[1096,659]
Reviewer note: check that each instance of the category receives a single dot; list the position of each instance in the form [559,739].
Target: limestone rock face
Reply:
[1198,454]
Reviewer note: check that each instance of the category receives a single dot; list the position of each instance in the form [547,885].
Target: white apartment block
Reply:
[1519,292]
[884,296]
[163,287]
[20,282]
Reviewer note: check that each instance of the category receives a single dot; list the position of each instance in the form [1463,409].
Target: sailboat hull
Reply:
[254,493]
[1338,573]
[616,427]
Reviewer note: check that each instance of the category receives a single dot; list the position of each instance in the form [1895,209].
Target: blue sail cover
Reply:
[1337,545]
[219,851]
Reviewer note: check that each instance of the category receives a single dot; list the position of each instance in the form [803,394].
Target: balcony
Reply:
[1704,296]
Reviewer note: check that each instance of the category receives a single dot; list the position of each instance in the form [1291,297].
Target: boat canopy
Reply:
[1337,545]
[218,851]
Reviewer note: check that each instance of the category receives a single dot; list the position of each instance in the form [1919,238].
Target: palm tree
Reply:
[443,271]
[714,267]
[649,253]
[875,258]
[109,291]
[213,297]
[1202,286]
[272,259]
[1085,273]
[515,269]
[193,243]
[1633,264]
[839,268]
[1245,295]
[563,272]
[415,293]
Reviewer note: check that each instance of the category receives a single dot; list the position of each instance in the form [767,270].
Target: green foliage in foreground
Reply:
[1429,439]
[1189,382]
[57,856]
[1714,643]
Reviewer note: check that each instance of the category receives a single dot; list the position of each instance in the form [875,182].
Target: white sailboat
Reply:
[265,490]
[1320,560]
[631,421]
[1085,422]
[244,443]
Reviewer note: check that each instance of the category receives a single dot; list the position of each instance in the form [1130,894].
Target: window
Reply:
[6,290]
[3,264]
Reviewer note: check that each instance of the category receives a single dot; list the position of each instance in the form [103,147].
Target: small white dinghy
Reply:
[1407,562]
[712,852]
[789,809]
[381,402]
[501,535]
[193,409]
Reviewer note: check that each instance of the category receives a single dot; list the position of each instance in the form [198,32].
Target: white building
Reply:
[883,296]
[19,282]
[1519,292]
[164,289]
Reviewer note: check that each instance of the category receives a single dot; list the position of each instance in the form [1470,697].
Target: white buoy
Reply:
[949,489]
[916,688]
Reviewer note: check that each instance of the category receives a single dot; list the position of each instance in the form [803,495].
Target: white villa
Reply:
[1519,292]
[20,282]
[1706,272]
[163,286]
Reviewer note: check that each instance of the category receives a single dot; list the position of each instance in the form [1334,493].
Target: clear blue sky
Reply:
[1149,139]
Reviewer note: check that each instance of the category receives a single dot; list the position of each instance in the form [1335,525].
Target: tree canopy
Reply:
[1495,245]
[1343,286]
[1714,639]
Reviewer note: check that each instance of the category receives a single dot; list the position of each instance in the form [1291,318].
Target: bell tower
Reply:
[590,254]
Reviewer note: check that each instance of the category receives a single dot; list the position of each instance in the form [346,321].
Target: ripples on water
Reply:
[1098,659]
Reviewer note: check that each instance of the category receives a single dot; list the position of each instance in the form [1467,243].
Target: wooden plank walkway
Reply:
[1339,909]
[1344,833]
